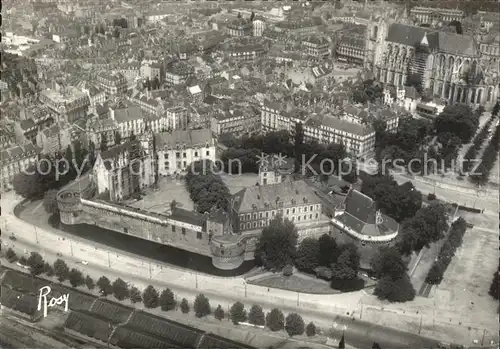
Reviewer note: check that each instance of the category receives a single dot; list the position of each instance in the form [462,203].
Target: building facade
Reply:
[16,159]
[68,103]
[178,149]
[113,84]
[448,64]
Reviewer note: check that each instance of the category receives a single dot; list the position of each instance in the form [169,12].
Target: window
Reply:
[316,216]
[184,155]
[298,218]
[208,153]
[254,224]
[249,216]
[178,155]
[242,226]
[173,228]
[305,217]
[255,216]
[242,217]
[198,235]
[249,225]
[267,214]
[195,154]
[183,231]
[166,155]
[184,164]
[305,209]
[260,215]
[293,210]
[310,216]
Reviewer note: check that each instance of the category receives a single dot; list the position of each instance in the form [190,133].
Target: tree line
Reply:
[51,172]
[166,300]
[452,243]
[477,143]
[488,160]
[338,263]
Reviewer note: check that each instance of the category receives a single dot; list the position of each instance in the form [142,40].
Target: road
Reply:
[320,309]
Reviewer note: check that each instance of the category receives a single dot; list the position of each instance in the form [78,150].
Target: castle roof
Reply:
[361,215]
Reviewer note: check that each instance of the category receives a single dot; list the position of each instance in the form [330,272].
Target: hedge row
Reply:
[476,146]
[450,246]
[488,160]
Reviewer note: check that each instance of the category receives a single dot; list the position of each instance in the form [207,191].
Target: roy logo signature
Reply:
[46,303]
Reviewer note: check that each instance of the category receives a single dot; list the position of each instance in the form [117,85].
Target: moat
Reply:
[144,248]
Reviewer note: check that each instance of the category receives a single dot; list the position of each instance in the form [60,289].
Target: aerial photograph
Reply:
[238,174]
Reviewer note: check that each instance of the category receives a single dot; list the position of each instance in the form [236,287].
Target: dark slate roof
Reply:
[89,325]
[24,303]
[115,312]
[360,215]
[118,149]
[125,337]
[210,341]
[438,40]
[182,335]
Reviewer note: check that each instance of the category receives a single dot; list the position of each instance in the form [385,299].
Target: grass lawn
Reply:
[295,283]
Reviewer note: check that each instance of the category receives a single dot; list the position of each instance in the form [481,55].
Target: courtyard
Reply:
[159,199]
[235,183]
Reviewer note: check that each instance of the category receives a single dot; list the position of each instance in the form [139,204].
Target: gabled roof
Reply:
[360,214]
[190,138]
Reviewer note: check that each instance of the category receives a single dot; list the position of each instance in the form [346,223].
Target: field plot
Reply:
[464,290]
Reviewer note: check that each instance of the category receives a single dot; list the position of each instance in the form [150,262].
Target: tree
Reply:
[173,205]
[118,138]
[427,226]
[201,306]
[257,316]
[156,83]
[76,278]
[238,313]
[104,286]
[104,142]
[50,202]
[345,269]
[277,245]
[327,250]
[151,298]
[308,255]
[36,263]
[376,346]
[294,325]
[275,320]
[28,183]
[299,140]
[388,262]
[415,81]
[342,342]
[395,290]
[184,306]
[311,329]
[89,282]
[252,16]
[61,270]
[135,295]
[11,255]
[219,313]
[120,289]
[47,269]
[133,137]
[494,288]
[167,300]
[457,119]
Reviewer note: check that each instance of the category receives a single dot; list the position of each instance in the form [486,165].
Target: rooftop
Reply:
[190,138]
[266,197]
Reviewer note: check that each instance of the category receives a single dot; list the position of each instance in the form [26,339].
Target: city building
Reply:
[178,72]
[67,103]
[124,169]
[97,129]
[430,15]
[254,207]
[150,70]
[351,49]
[129,119]
[448,64]
[238,121]
[177,118]
[359,218]
[16,159]
[316,46]
[176,150]
[239,27]
[54,139]
[358,139]
[258,27]
[96,96]
[112,83]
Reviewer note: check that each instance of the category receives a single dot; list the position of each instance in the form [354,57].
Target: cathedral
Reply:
[453,67]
